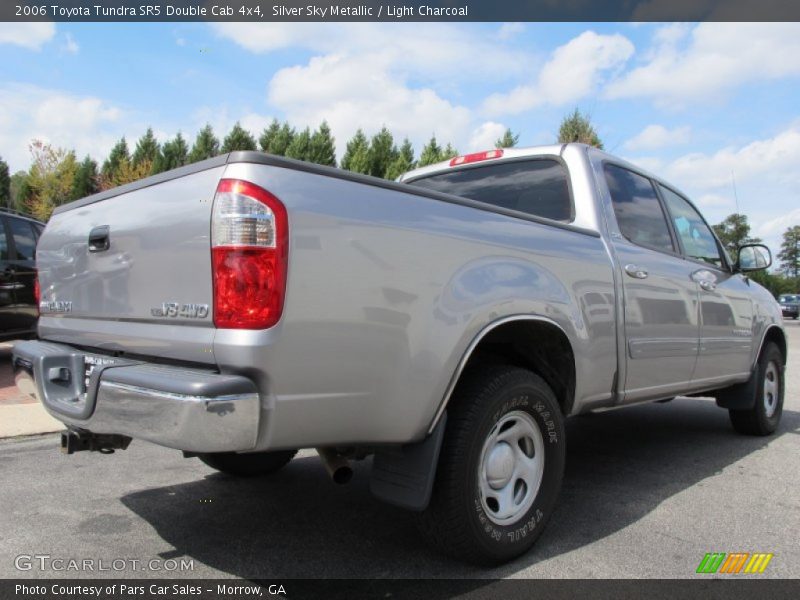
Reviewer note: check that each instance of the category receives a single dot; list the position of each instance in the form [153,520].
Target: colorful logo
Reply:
[735,563]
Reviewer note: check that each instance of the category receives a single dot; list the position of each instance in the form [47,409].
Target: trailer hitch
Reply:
[79,440]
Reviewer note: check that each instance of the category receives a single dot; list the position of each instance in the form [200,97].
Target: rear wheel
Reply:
[500,467]
[765,415]
[248,465]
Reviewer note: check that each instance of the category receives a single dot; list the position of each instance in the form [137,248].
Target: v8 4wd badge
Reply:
[177,310]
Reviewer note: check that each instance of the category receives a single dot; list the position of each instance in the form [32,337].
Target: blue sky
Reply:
[700,104]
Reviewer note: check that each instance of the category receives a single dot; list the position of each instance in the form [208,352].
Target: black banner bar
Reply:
[729,588]
[399,10]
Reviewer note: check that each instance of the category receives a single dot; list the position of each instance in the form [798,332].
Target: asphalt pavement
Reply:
[647,492]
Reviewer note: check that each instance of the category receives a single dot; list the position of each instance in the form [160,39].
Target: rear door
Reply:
[726,306]
[659,294]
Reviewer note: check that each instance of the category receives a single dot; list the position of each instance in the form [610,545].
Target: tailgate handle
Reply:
[99,238]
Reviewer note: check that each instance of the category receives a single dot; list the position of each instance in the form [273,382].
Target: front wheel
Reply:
[248,465]
[500,467]
[765,415]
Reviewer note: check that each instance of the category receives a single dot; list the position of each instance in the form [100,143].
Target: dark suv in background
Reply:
[18,311]
[790,305]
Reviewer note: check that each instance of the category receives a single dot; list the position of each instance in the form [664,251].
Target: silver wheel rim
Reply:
[511,468]
[771,389]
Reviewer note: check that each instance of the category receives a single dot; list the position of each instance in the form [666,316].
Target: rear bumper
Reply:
[187,409]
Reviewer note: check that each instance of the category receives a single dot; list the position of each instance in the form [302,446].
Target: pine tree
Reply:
[509,140]
[268,135]
[5,184]
[577,127]
[116,158]
[300,146]
[356,154]
[174,154]
[431,153]
[282,140]
[146,150]
[206,145]
[238,139]
[403,163]
[448,152]
[322,147]
[382,152]
[85,182]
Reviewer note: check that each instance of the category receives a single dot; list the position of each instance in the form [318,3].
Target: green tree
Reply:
[206,145]
[322,146]
[50,178]
[268,135]
[279,145]
[403,163]
[147,149]
[577,127]
[238,139]
[85,182]
[174,154]
[5,184]
[20,190]
[431,153]
[382,152]
[509,140]
[733,232]
[789,255]
[356,154]
[449,152]
[116,158]
[300,146]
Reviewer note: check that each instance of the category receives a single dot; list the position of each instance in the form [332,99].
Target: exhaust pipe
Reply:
[337,466]
[79,440]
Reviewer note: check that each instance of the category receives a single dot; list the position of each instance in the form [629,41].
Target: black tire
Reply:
[248,465]
[763,418]
[458,520]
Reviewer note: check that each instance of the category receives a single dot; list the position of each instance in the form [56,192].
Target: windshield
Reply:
[786,298]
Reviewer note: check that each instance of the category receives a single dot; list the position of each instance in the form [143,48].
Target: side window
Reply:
[3,241]
[24,241]
[638,211]
[696,238]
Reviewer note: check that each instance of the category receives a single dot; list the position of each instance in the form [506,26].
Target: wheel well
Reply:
[774,334]
[535,345]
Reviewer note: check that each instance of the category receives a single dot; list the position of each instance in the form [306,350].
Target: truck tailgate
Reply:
[150,291]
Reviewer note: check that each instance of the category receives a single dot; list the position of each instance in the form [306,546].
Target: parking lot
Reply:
[648,491]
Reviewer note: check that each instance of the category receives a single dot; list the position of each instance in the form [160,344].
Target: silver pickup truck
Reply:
[245,307]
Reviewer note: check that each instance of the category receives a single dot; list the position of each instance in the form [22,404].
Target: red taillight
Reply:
[476,157]
[249,254]
[36,292]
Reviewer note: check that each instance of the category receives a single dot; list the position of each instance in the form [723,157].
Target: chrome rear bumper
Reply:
[188,409]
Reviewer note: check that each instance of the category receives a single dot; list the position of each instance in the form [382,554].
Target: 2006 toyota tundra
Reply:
[247,306]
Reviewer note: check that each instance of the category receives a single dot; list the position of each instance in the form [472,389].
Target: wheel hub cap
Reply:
[771,389]
[511,467]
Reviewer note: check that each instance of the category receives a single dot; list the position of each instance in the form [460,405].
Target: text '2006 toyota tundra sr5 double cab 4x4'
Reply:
[447,324]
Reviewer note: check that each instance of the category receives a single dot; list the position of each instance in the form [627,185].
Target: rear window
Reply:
[536,187]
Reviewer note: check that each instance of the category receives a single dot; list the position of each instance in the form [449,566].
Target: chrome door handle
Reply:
[708,286]
[636,272]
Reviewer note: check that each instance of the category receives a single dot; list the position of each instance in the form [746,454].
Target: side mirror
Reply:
[753,257]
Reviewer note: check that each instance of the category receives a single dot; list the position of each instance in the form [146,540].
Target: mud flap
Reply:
[741,396]
[404,476]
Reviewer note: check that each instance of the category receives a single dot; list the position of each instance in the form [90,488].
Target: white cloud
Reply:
[70,46]
[442,50]
[684,66]
[714,201]
[658,136]
[774,228]
[485,135]
[84,123]
[573,71]
[361,91]
[508,31]
[27,35]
